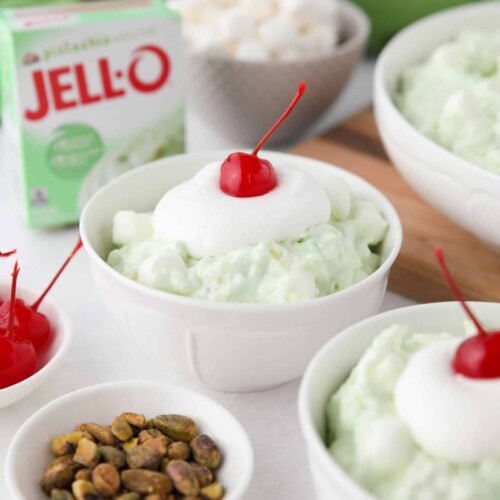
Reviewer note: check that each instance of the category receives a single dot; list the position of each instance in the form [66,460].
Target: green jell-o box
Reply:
[89,91]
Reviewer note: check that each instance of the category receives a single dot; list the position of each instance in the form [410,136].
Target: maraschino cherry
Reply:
[3,255]
[17,355]
[28,322]
[7,254]
[479,356]
[246,175]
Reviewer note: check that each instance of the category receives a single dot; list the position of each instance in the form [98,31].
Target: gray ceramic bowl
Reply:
[232,103]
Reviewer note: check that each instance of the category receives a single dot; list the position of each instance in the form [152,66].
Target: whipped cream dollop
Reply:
[212,223]
[449,415]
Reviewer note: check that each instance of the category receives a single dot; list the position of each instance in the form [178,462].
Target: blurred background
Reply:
[387,16]
[241,58]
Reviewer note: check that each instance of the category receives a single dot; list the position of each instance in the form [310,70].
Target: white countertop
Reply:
[270,417]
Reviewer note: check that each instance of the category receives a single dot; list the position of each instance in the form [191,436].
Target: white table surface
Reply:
[270,417]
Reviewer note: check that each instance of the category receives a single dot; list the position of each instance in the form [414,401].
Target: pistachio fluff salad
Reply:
[246,230]
[453,97]
[407,426]
[301,240]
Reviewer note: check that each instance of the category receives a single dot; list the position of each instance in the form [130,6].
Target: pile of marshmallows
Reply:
[260,30]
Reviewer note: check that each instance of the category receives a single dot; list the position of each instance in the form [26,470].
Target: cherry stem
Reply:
[13,287]
[456,291]
[61,269]
[300,92]
[8,254]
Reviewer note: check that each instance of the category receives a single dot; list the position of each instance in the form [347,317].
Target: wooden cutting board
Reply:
[355,145]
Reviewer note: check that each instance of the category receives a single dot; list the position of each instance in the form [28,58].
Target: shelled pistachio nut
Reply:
[177,427]
[59,474]
[134,459]
[183,477]
[205,451]
[146,482]
[106,479]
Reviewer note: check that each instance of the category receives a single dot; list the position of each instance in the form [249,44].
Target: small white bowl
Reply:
[29,453]
[225,346]
[233,103]
[464,192]
[332,364]
[61,328]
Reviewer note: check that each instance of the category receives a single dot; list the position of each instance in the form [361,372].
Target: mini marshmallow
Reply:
[449,54]
[252,50]
[131,227]
[310,12]
[166,271]
[288,55]
[340,196]
[369,224]
[260,10]
[204,39]
[279,34]
[192,11]
[226,3]
[235,25]
[319,41]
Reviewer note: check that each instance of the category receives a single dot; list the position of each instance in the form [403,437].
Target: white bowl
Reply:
[233,103]
[29,453]
[464,192]
[331,365]
[61,327]
[231,347]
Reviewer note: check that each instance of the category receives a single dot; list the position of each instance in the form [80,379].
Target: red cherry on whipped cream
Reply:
[17,355]
[28,322]
[479,356]
[246,175]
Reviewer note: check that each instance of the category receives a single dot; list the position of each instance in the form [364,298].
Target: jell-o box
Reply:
[89,91]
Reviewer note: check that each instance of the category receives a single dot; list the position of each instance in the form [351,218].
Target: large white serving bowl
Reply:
[29,451]
[332,364]
[225,346]
[464,192]
[62,335]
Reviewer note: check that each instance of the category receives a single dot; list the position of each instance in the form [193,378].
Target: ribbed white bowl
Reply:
[331,365]
[225,346]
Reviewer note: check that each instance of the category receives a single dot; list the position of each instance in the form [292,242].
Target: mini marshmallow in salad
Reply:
[260,30]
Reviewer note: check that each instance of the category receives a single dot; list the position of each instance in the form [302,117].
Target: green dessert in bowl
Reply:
[372,441]
[332,253]
[245,230]
[453,96]
[405,406]
[225,264]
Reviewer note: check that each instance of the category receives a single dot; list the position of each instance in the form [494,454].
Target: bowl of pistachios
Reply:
[130,441]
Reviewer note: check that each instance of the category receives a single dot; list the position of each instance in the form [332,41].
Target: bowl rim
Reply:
[66,332]
[401,122]
[359,37]
[390,213]
[66,399]
[312,439]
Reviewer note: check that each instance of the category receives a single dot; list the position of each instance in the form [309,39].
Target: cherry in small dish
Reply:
[62,335]
[17,355]
[34,336]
